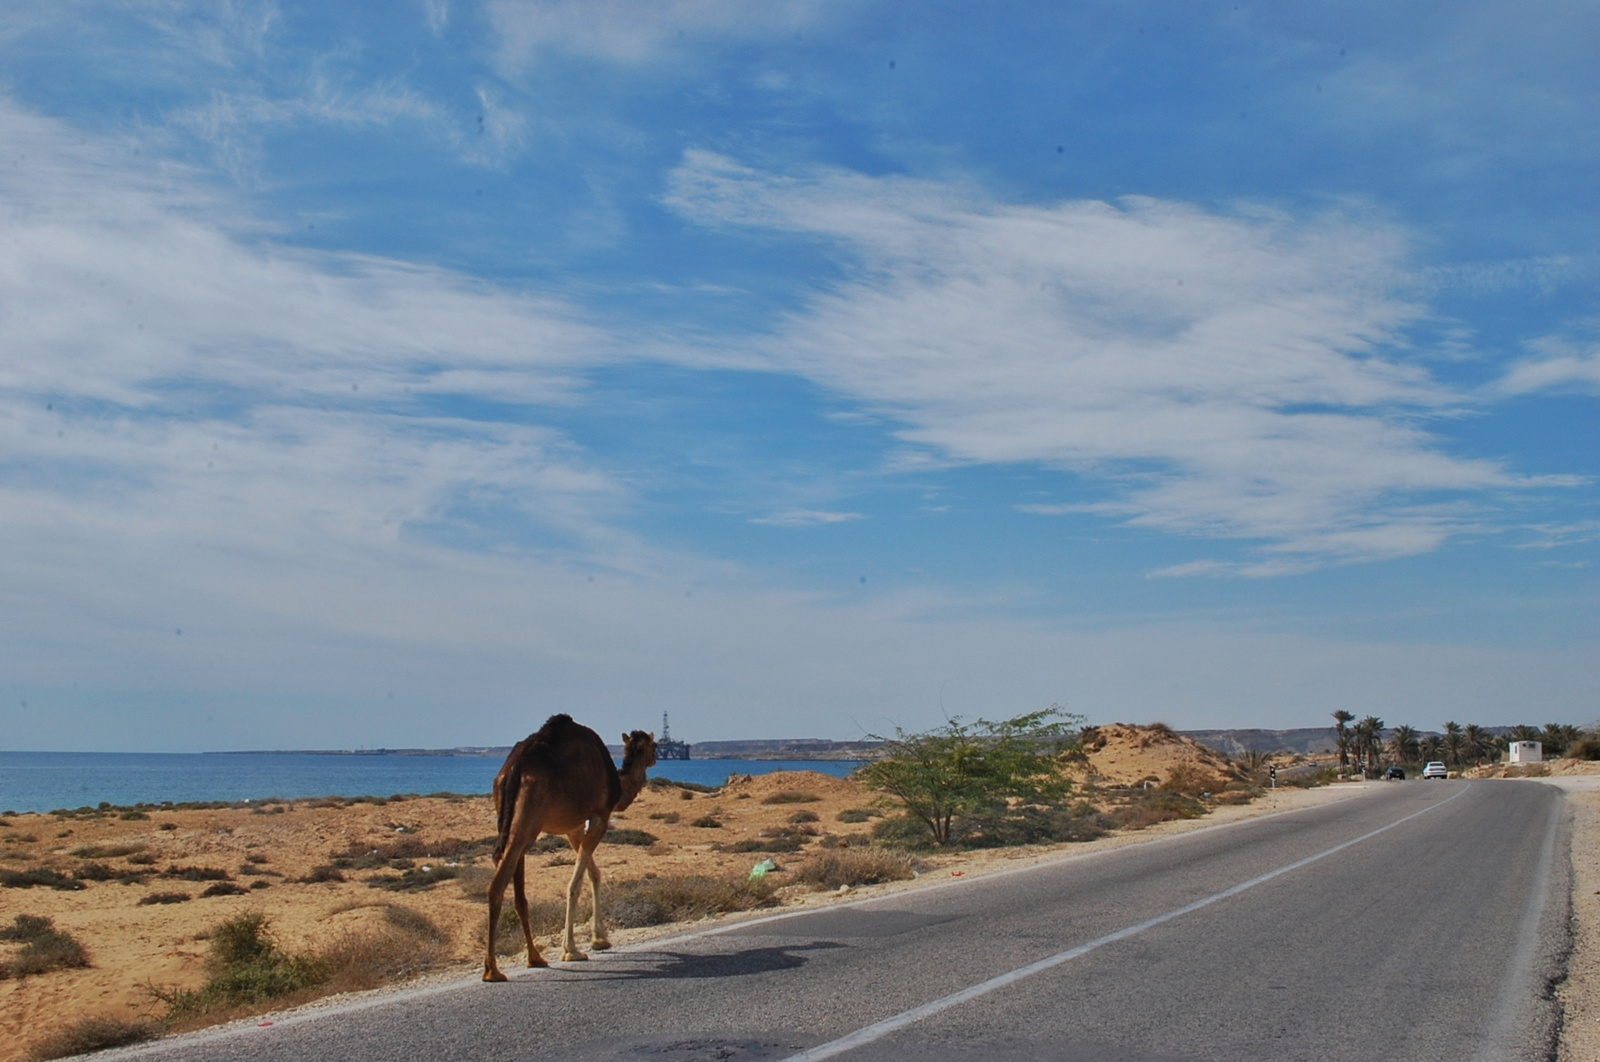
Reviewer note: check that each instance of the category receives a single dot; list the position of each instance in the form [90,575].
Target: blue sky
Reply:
[396,374]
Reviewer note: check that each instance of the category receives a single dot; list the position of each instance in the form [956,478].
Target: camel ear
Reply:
[625,739]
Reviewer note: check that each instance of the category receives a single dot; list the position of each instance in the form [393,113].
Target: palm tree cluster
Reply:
[1363,743]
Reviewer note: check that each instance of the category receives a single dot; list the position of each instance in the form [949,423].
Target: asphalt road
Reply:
[1419,921]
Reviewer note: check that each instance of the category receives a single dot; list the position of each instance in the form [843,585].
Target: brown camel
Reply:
[560,780]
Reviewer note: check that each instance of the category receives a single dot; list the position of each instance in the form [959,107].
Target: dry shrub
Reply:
[406,944]
[668,817]
[45,876]
[224,888]
[804,815]
[415,879]
[790,796]
[707,822]
[1586,747]
[92,1034]
[196,873]
[45,948]
[685,898]
[854,866]
[107,851]
[634,837]
[247,969]
[856,815]
[785,843]
[165,897]
[1528,770]
[1159,807]
[317,874]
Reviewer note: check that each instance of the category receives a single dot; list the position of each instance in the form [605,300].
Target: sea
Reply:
[50,781]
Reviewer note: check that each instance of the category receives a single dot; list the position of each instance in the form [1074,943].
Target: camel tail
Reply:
[505,798]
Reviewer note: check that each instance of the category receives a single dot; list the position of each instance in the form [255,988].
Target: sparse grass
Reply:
[107,851]
[402,853]
[634,837]
[668,817]
[415,879]
[1528,770]
[783,843]
[92,1034]
[45,948]
[790,796]
[1586,747]
[804,815]
[854,866]
[102,872]
[43,876]
[707,822]
[165,897]
[856,815]
[1037,825]
[320,874]
[406,944]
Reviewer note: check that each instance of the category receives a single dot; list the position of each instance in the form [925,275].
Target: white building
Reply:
[1526,752]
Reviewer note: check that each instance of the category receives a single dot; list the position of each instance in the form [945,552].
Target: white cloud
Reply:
[635,31]
[805,518]
[1559,365]
[1229,376]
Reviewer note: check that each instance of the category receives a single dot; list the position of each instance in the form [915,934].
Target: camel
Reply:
[560,780]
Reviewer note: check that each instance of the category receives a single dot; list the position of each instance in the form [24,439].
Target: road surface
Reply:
[1423,920]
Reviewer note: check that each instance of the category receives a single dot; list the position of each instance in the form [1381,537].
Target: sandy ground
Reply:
[133,945]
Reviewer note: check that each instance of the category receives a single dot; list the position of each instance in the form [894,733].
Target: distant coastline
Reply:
[772,749]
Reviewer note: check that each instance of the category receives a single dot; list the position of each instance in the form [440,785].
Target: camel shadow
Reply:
[674,965]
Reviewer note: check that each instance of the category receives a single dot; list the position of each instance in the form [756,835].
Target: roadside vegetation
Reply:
[1367,747]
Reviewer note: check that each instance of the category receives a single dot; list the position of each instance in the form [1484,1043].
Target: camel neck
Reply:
[633,781]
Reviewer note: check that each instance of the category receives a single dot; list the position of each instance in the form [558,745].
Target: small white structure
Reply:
[1526,752]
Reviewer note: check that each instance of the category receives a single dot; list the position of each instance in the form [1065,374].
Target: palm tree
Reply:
[1369,732]
[1403,744]
[1455,743]
[1341,736]
[1254,761]
[1523,732]
[1430,747]
[1480,744]
[1557,736]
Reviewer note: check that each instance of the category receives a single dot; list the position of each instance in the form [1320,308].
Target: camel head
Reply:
[638,748]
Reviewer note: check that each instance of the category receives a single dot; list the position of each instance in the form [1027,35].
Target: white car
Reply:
[1435,769]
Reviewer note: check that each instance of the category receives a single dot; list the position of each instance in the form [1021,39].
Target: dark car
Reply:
[1394,774]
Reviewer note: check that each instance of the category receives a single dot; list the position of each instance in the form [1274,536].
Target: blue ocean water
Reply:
[45,781]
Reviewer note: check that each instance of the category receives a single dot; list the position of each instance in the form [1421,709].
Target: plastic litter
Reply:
[761,869]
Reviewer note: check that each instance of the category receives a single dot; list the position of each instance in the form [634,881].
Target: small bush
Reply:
[856,815]
[658,901]
[246,967]
[92,1034]
[854,866]
[785,843]
[44,876]
[668,817]
[107,851]
[224,888]
[790,796]
[256,858]
[804,815]
[165,897]
[687,787]
[707,822]
[902,831]
[132,816]
[167,826]
[633,837]
[196,873]
[1586,747]
[1159,807]
[320,874]
[1036,825]
[44,948]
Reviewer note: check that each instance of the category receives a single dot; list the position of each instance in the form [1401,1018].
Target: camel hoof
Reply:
[493,975]
[600,945]
[574,956]
[535,961]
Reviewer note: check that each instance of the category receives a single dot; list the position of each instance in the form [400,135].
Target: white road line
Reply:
[879,1030]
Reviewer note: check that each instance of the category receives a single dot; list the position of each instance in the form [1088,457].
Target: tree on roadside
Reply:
[1404,744]
[1556,737]
[1455,743]
[1341,736]
[1369,736]
[968,770]
[1430,747]
[1479,743]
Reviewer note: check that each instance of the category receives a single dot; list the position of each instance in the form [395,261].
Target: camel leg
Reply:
[569,944]
[597,926]
[519,892]
[523,831]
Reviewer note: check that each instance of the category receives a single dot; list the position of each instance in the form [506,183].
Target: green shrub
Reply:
[902,831]
[44,948]
[804,815]
[856,815]
[1157,807]
[1586,747]
[1035,825]
[246,967]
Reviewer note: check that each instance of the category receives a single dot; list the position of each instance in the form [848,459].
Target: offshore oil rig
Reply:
[666,748]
